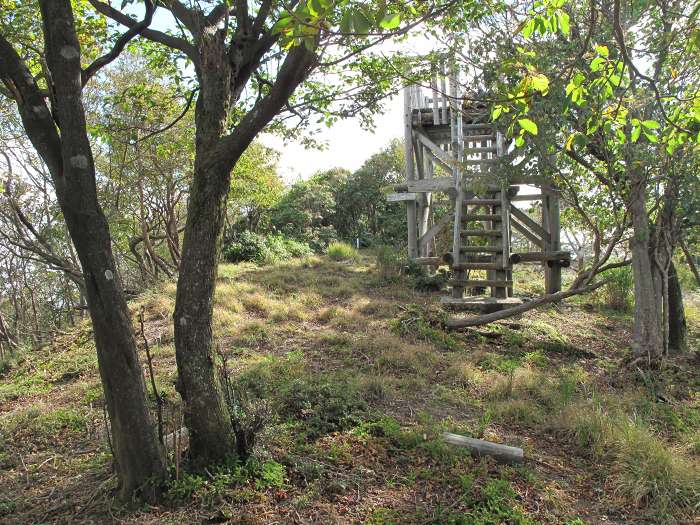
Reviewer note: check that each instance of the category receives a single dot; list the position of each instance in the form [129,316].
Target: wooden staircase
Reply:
[456,156]
[481,227]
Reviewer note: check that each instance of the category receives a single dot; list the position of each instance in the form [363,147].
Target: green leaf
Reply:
[528,125]
[360,23]
[651,137]
[602,50]
[529,28]
[346,22]
[519,141]
[636,131]
[540,83]
[390,21]
[651,124]
[563,22]
[497,110]
[315,7]
[596,63]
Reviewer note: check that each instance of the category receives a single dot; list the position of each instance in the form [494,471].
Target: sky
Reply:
[347,145]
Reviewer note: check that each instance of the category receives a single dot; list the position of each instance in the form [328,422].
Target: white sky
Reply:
[347,144]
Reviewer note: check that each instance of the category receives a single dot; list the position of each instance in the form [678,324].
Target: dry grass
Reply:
[360,407]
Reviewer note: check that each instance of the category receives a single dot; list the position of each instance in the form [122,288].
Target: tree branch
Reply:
[151,34]
[120,44]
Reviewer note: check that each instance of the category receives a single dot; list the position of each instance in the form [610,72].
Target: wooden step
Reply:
[478,138]
[475,162]
[482,233]
[480,303]
[477,266]
[479,149]
[468,283]
[481,202]
[481,217]
[428,261]
[481,249]
[480,125]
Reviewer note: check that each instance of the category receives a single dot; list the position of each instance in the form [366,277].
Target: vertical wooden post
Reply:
[553,284]
[456,131]
[436,98]
[410,171]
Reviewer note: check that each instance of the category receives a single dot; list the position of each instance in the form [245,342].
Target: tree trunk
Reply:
[678,329]
[206,414]
[648,328]
[137,453]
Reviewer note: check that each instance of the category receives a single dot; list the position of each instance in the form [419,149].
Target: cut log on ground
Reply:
[479,447]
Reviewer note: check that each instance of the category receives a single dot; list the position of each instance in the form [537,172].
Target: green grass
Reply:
[340,251]
[360,378]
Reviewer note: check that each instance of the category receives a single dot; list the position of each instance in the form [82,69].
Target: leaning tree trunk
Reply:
[647,334]
[137,453]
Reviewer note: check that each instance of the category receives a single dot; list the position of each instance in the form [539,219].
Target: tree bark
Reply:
[212,437]
[137,453]
[206,414]
[677,325]
[648,329]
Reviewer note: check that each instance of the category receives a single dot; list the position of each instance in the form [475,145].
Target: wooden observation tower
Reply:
[454,151]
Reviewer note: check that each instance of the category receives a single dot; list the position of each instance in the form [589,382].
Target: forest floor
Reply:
[362,380]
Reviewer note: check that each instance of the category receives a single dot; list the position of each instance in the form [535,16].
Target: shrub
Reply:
[252,247]
[390,263]
[618,294]
[340,251]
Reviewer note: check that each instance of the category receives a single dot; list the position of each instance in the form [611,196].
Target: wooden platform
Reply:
[482,304]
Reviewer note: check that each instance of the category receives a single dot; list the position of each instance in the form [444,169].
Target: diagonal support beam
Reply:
[527,221]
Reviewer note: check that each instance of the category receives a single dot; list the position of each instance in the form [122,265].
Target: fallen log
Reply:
[464,322]
[479,447]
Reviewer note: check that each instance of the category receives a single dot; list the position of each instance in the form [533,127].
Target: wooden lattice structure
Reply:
[453,149]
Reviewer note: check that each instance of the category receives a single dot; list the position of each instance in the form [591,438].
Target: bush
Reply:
[252,247]
[390,263]
[340,251]
[618,294]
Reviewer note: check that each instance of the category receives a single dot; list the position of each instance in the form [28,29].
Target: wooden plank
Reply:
[435,184]
[433,87]
[469,283]
[400,197]
[434,230]
[482,233]
[479,447]
[481,249]
[527,197]
[505,225]
[410,173]
[477,266]
[481,202]
[527,233]
[446,160]
[482,217]
[539,256]
[429,261]
[525,219]
[478,138]
[469,150]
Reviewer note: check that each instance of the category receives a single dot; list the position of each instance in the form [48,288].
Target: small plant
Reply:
[341,251]
[390,263]
[248,417]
